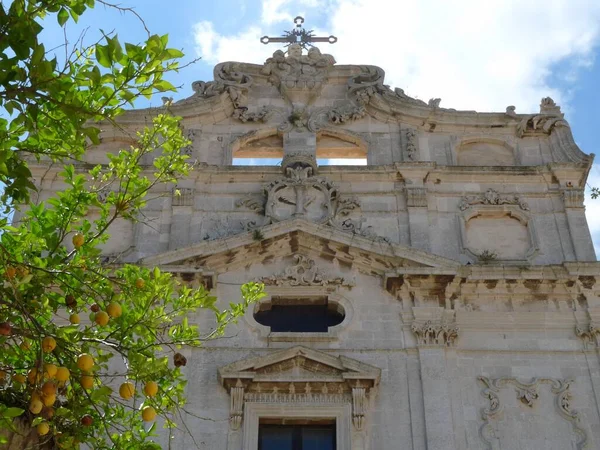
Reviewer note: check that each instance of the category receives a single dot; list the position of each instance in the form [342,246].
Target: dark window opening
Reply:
[308,315]
[296,437]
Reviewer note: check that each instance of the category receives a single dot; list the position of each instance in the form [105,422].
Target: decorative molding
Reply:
[528,393]
[411,144]
[432,333]
[416,197]
[491,197]
[243,115]
[549,118]
[304,272]
[236,409]
[589,334]
[573,198]
[300,376]
[228,79]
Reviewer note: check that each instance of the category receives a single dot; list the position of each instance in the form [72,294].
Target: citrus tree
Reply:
[88,353]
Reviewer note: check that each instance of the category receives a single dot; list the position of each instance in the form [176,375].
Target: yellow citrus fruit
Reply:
[78,240]
[101,318]
[49,388]
[140,283]
[33,377]
[62,374]
[50,370]
[74,319]
[48,344]
[10,272]
[150,389]
[43,428]
[35,395]
[148,413]
[87,381]
[85,362]
[48,400]
[19,378]
[114,310]
[35,406]
[127,390]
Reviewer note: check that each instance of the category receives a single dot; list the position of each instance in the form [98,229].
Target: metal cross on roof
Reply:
[298,35]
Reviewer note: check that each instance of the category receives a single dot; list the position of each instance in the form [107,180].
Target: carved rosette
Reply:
[304,272]
[432,333]
[528,394]
[491,197]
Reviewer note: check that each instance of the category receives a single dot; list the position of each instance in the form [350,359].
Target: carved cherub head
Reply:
[295,51]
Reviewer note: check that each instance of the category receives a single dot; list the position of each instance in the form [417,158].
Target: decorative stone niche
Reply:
[485,152]
[536,415]
[498,233]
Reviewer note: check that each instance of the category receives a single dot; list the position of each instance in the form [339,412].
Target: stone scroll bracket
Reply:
[527,393]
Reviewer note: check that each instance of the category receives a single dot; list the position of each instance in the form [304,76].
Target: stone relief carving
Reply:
[528,393]
[549,117]
[228,78]
[243,115]
[190,135]
[236,408]
[219,227]
[491,197]
[588,334]
[302,194]
[359,407]
[435,333]
[411,144]
[304,272]
[298,77]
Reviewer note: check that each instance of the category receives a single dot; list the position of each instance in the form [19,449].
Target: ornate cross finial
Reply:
[298,35]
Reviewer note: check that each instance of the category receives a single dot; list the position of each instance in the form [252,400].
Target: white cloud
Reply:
[473,54]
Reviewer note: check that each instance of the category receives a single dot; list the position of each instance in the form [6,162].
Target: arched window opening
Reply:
[335,151]
[300,315]
[267,151]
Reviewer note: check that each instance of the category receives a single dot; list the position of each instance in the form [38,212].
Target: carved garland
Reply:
[491,197]
[528,393]
[588,334]
[305,273]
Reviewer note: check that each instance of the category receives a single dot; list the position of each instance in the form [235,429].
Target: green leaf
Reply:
[103,55]
[12,412]
[63,16]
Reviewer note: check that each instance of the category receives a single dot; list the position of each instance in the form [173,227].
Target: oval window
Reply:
[300,315]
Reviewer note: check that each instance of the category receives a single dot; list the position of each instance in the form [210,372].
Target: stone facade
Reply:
[460,257]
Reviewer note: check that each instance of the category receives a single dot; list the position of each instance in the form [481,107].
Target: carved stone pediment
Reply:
[299,375]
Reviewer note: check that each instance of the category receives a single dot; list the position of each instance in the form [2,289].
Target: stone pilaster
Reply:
[578,227]
[434,334]
[416,202]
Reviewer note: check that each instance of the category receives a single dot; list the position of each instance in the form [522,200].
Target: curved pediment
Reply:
[310,92]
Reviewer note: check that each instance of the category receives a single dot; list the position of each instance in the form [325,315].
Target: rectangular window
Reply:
[296,437]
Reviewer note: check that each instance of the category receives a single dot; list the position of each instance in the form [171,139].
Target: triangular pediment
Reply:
[299,236]
[299,365]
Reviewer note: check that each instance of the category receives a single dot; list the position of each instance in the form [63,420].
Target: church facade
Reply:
[440,295]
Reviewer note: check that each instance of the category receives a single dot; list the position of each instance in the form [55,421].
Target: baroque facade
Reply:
[455,269]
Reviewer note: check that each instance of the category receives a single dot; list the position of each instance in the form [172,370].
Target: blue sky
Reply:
[482,55]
